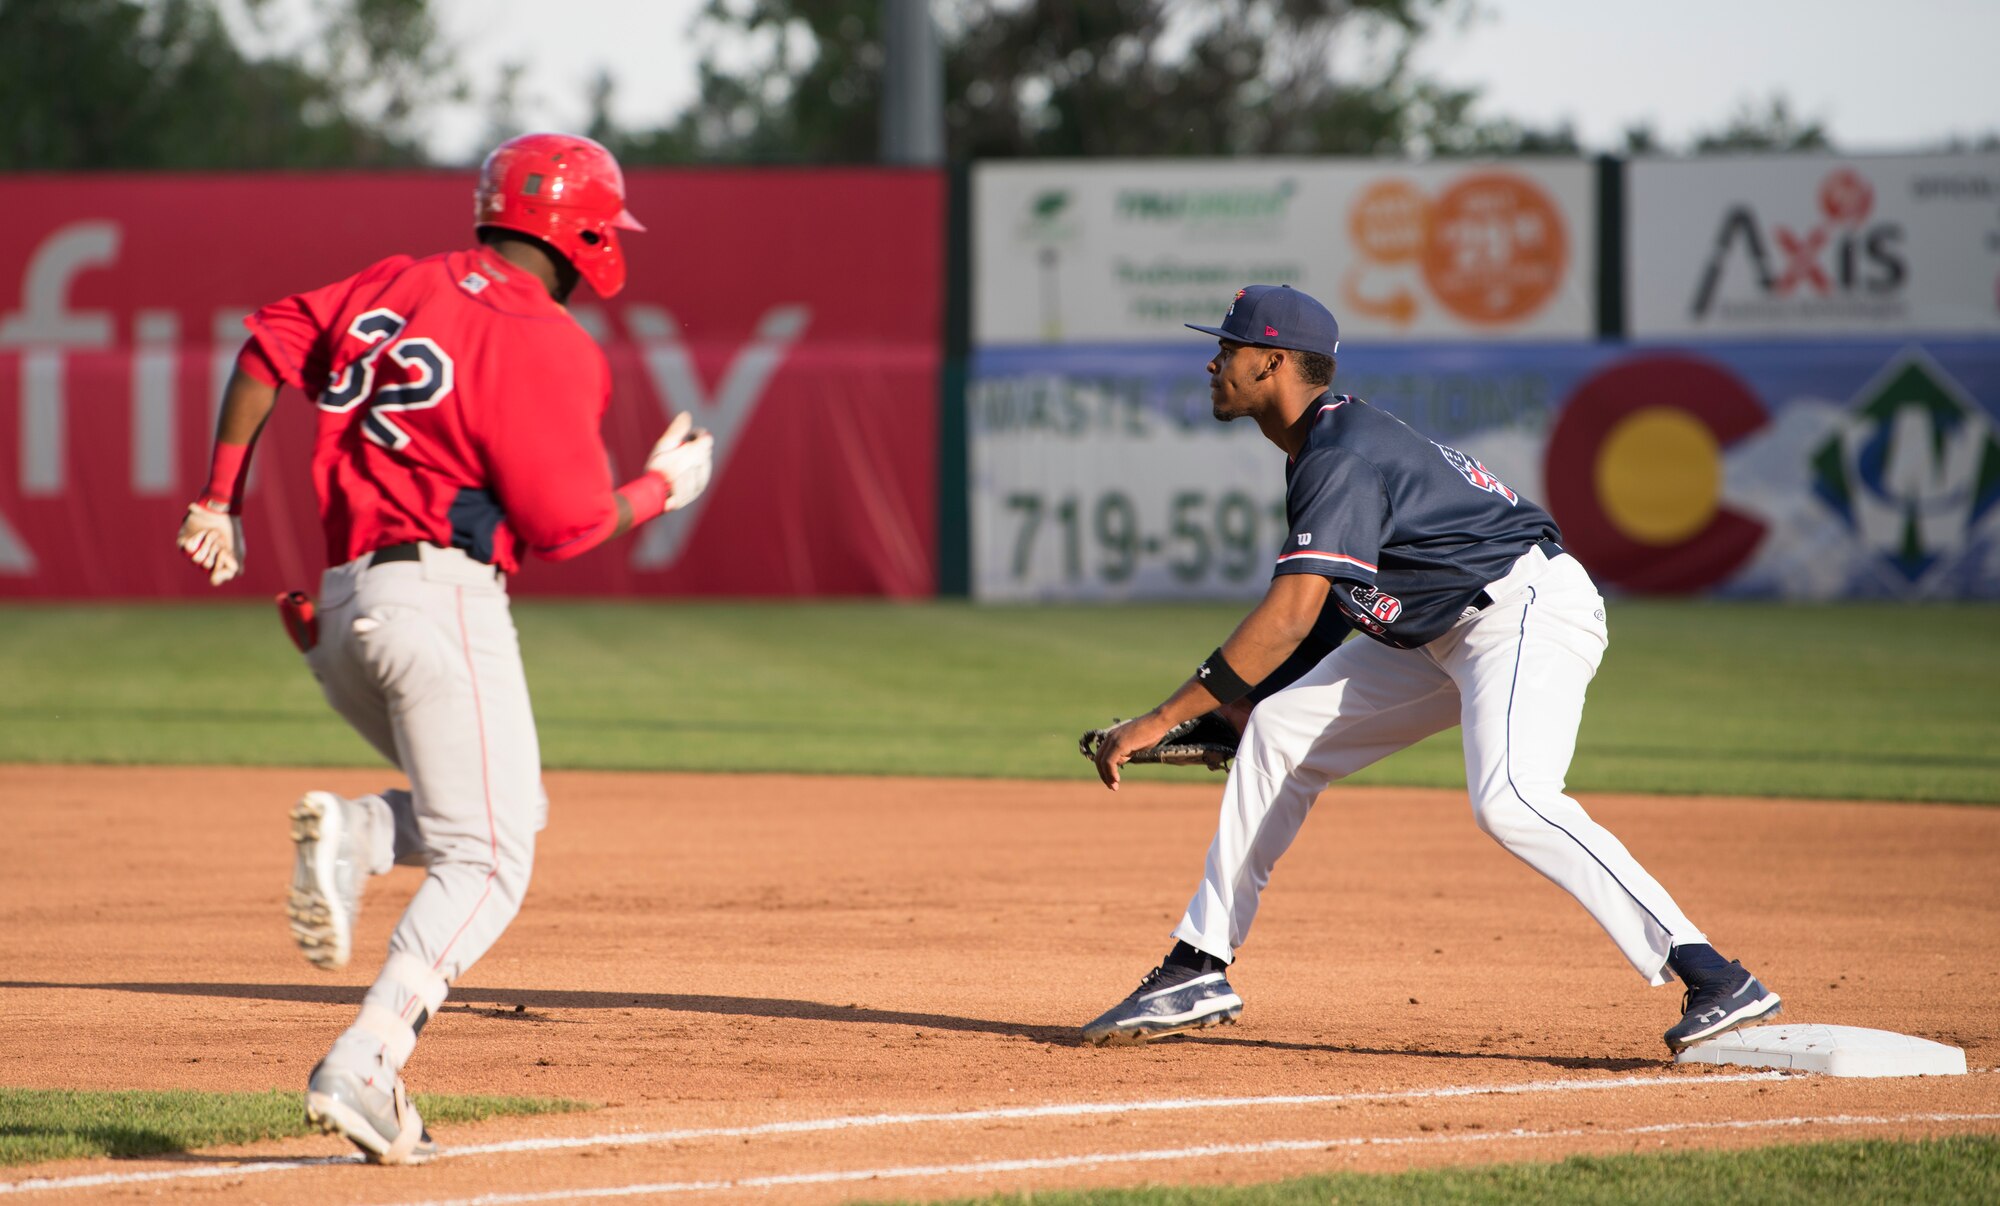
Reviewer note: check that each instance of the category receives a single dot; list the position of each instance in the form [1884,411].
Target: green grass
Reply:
[1876,702]
[1957,1169]
[63,1124]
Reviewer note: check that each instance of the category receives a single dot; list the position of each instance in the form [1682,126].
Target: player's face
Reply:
[1234,384]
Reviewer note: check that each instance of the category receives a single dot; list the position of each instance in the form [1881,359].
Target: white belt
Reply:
[1526,568]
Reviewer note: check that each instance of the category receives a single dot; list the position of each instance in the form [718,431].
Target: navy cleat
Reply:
[1720,1005]
[1170,1000]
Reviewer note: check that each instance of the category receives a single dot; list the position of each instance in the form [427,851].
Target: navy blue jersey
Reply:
[1409,530]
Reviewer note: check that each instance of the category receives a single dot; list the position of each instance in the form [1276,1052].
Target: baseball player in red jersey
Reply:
[459,407]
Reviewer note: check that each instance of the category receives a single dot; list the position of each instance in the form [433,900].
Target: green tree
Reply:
[1154,77]
[386,59]
[1642,139]
[809,90]
[160,84]
[1773,127]
[1440,121]
[1079,77]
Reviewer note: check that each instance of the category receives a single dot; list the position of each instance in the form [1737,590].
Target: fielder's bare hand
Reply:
[1135,734]
[213,540]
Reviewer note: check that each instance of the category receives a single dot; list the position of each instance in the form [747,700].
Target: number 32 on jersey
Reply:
[419,377]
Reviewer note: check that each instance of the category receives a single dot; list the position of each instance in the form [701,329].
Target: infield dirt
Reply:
[730,952]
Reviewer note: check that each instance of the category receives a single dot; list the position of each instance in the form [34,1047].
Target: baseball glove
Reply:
[1207,740]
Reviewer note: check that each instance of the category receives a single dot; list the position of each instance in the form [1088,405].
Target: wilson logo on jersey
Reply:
[422,373]
[1476,473]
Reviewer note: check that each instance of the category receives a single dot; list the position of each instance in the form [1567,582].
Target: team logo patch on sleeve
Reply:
[1372,609]
[1474,472]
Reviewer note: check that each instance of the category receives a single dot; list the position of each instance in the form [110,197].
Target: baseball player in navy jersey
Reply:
[1473,616]
[458,408]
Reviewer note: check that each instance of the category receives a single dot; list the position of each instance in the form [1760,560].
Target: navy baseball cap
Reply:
[1278,316]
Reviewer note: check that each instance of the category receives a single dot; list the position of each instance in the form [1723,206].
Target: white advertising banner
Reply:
[1109,251]
[1757,246]
[1753,469]
[1102,487]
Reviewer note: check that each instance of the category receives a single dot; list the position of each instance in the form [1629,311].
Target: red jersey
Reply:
[458,405]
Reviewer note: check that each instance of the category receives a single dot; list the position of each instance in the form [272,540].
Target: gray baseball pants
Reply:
[422,658]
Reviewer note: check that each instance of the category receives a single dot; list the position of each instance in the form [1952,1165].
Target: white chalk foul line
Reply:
[1160,1155]
[1086,1109]
[97,1180]
[862,1121]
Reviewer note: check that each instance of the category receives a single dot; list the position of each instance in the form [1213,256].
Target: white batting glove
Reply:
[684,456]
[213,540]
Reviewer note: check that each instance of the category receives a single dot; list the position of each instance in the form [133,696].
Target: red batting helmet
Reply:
[566,191]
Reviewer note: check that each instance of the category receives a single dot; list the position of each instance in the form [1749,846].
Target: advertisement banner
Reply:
[797,314]
[1739,469]
[1764,245]
[1110,251]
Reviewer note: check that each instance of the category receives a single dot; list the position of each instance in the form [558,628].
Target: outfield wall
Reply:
[1749,376]
[1865,469]
[1094,251]
[1812,246]
[1767,376]
[760,300]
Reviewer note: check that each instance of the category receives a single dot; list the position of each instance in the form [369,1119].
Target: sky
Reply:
[1902,75]
[1881,76]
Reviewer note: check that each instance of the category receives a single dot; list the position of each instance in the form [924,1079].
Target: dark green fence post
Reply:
[954,522]
[1610,247]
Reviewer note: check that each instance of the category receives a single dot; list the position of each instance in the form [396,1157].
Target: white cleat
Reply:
[376,1118]
[327,874]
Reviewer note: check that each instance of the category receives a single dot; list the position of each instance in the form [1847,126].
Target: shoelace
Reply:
[1715,992]
[1166,975]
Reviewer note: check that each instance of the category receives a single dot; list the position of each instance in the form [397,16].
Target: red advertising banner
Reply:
[797,313]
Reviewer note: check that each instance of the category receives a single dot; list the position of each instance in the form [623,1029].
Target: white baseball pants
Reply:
[1513,678]
[421,657]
